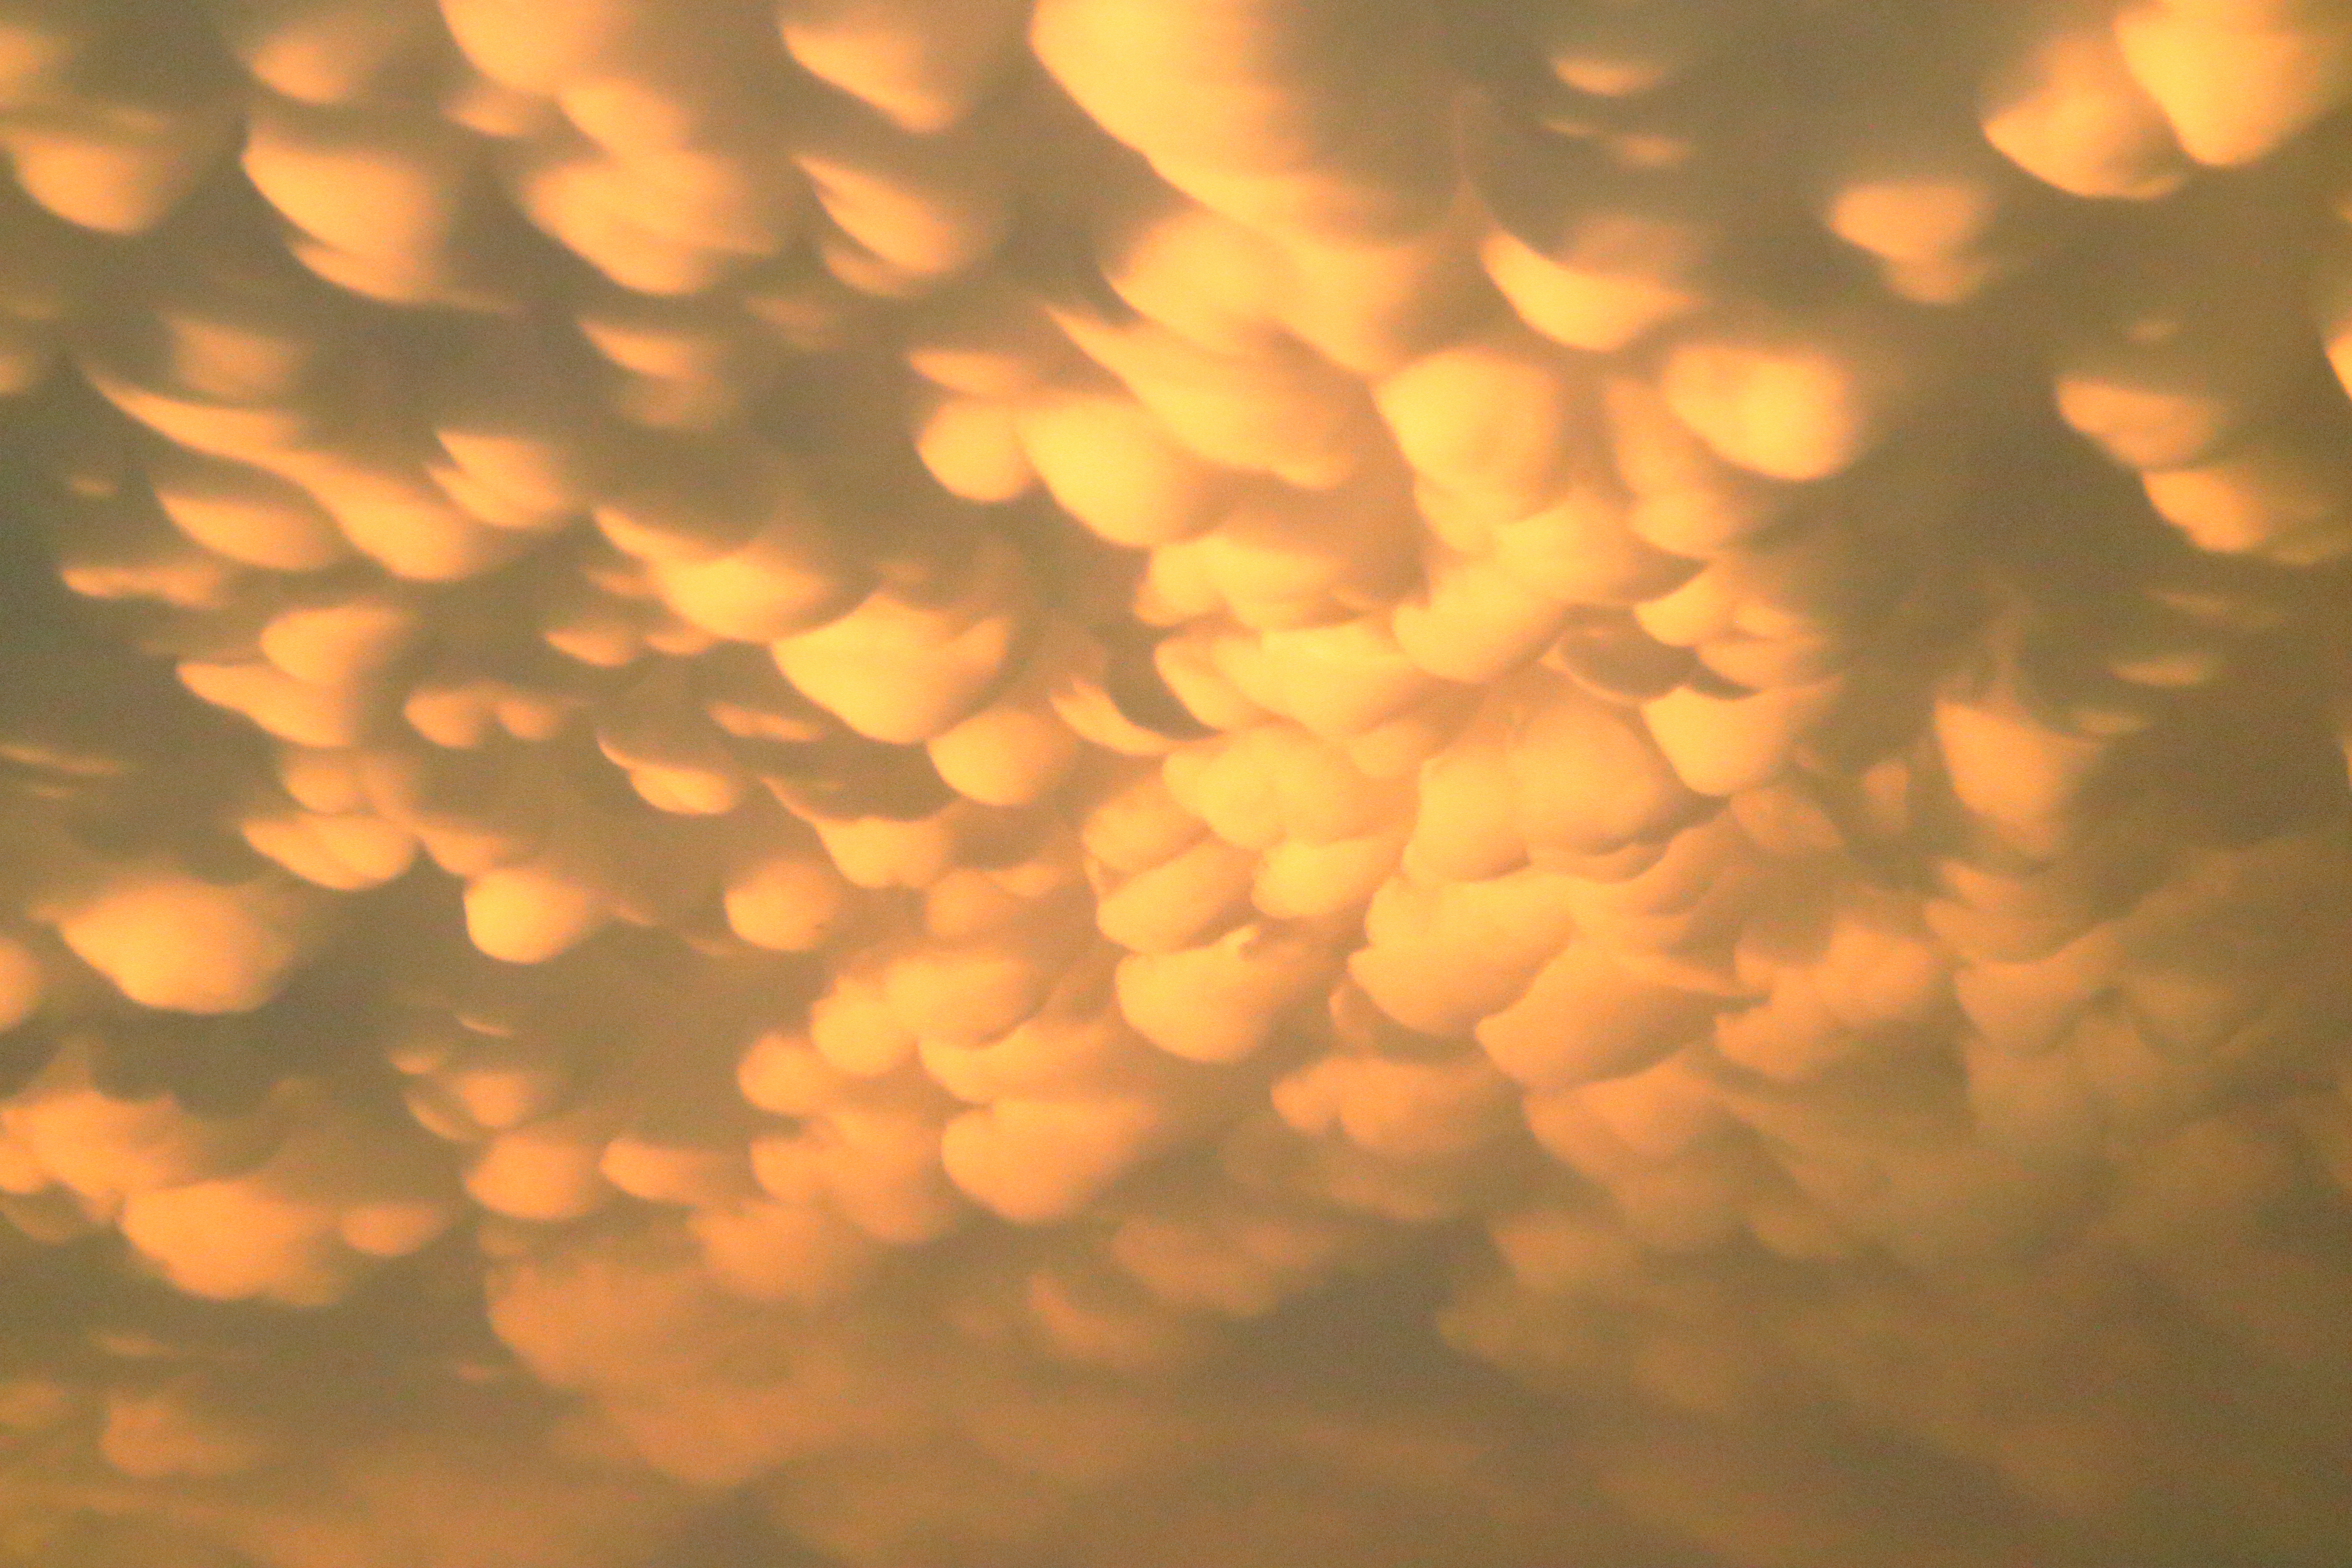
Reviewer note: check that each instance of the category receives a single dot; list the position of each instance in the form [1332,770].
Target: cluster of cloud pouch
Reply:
[881,754]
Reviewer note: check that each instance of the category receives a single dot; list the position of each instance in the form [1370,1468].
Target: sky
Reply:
[871,783]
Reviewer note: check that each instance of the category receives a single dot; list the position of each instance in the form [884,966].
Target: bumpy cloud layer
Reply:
[1246,782]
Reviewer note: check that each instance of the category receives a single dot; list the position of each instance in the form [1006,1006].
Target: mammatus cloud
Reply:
[943,784]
